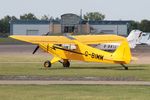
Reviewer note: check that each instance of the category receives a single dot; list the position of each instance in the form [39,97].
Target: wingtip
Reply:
[12,36]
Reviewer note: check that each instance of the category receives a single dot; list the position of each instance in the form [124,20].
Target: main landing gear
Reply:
[47,64]
[65,63]
[125,67]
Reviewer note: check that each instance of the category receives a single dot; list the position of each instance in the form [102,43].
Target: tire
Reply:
[66,64]
[126,68]
[47,64]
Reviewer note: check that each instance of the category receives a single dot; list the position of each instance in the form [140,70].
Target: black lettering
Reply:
[93,55]
[86,53]
[102,57]
[98,56]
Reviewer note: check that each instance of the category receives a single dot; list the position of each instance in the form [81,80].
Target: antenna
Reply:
[81,13]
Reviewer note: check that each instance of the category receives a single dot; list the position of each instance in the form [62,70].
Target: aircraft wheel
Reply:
[66,64]
[47,64]
[126,68]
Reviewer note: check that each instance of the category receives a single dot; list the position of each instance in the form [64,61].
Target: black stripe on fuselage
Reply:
[56,47]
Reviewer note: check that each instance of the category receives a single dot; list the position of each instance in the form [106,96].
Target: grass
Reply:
[31,65]
[23,57]
[74,92]
[27,64]
[136,72]
[10,41]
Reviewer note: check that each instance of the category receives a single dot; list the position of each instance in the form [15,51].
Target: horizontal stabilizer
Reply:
[134,59]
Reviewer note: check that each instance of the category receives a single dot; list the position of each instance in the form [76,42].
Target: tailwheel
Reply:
[66,64]
[125,67]
[47,64]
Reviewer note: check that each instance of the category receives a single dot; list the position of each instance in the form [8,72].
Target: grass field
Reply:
[74,92]
[21,63]
[115,72]
[10,41]
[33,65]
[24,63]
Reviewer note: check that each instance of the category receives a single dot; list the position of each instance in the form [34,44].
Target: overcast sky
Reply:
[113,9]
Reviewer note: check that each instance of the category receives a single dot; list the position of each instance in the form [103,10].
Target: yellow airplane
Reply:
[81,51]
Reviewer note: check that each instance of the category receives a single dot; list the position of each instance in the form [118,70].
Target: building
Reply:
[69,23]
[20,27]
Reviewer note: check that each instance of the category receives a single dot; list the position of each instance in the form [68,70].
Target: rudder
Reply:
[122,53]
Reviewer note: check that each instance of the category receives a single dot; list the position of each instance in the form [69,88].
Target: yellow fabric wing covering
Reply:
[86,39]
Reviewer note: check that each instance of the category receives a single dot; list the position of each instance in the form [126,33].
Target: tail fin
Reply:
[145,38]
[122,53]
[134,38]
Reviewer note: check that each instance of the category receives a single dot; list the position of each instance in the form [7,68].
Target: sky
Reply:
[112,9]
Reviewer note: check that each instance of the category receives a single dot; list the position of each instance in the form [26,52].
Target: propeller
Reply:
[46,34]
[37,47]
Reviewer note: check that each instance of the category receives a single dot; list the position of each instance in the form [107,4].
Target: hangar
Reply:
[68,23]
[34,27]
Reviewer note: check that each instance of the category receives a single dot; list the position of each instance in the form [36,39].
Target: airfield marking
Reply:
[23,82]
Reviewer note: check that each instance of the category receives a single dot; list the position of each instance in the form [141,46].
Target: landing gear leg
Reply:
[66,64]
[125,67]
[47,64]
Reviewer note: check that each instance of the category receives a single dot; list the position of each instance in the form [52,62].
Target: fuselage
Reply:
[81,53]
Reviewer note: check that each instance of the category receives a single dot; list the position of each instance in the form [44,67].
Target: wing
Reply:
[97,39]
[86,39]
[43,39]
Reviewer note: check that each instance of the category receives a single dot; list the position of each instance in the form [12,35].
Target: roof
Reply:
[30,22]
[69,14]
[105,22]
[109,22]
[34,22]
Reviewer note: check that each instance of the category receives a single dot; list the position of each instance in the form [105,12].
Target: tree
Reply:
[145,26]
[94,16]
[51,18]
[28,16]
[134,25]
[0,26]
[57,19]
[5,24]
[45,17]
[13,18]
